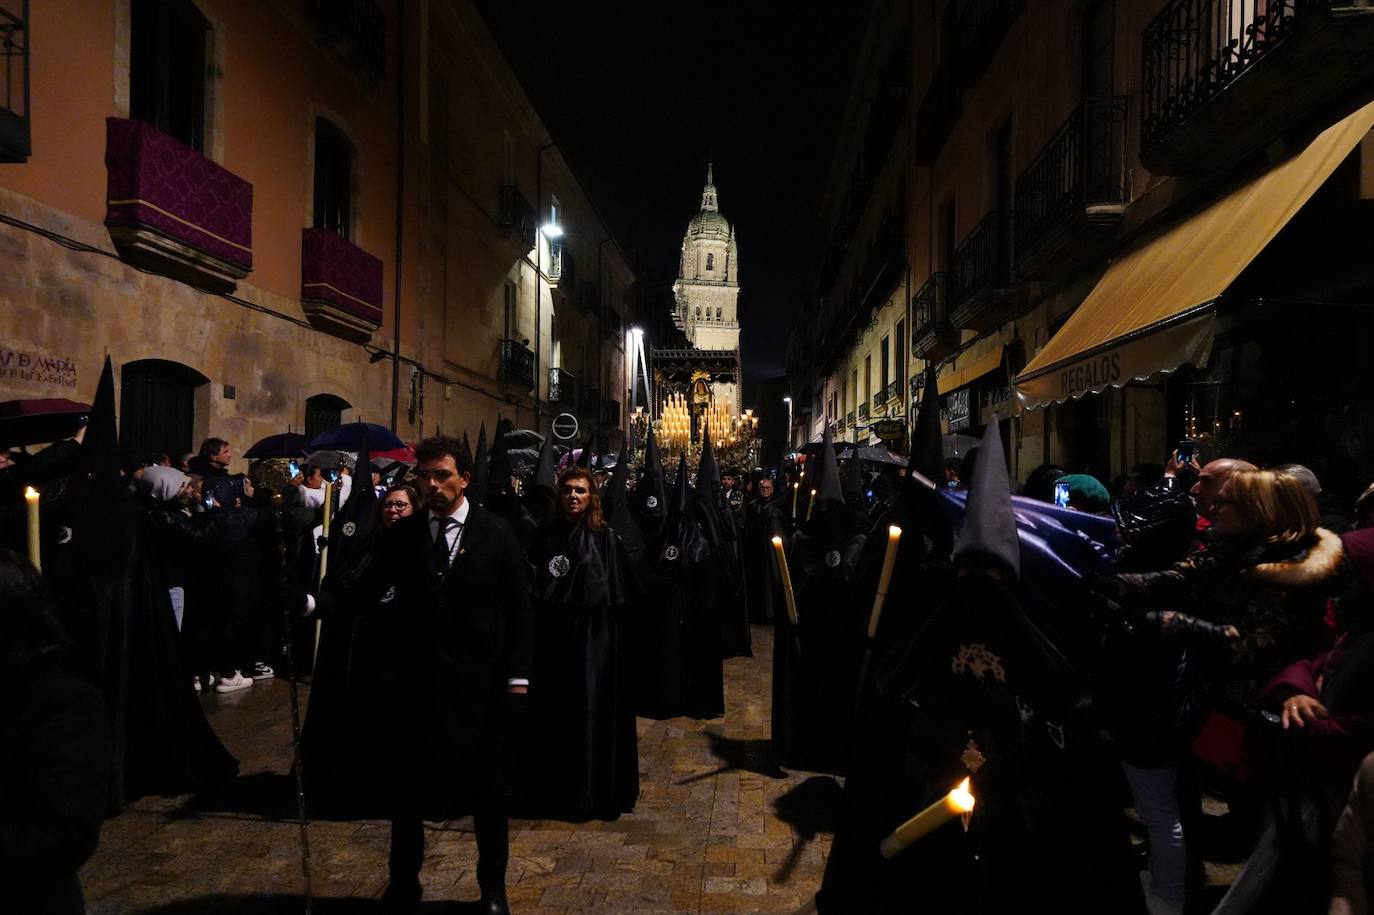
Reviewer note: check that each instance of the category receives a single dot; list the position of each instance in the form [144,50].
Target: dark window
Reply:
[323,412]
[157,406]
[15,142]
[167,68]
[333,178]
[510,309]
[710,262]
[884,364]
[1099,48]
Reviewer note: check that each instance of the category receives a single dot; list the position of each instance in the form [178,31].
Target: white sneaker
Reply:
[237,681]
[262,672]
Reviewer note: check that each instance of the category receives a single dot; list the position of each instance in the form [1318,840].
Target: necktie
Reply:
[439,555]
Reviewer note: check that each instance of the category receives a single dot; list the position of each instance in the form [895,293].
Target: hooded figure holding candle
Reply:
[815,663]
[978,693]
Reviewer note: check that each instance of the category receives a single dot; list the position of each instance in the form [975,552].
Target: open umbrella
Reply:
[328,459]
[282,445]
[848,451]
[406,455]
[30,422]
[524,438]
[349,437]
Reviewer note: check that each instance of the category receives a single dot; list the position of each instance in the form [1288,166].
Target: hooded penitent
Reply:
[481,469]
[985,697]
[651,496]
[615,502]
[539,492]
[500,497]
[329,737]
[678,632]
[719,523]
[117,612]
[816,667]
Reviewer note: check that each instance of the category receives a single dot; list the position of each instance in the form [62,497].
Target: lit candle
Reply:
[795,488]
[35,542]
[786,580]
[810,505]
[894,535]
[957,803]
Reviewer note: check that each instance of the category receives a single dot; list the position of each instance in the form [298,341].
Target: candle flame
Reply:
[894,531]
[961,798]
[30,492]
[777,541]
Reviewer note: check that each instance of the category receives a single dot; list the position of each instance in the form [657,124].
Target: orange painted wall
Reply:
[273,79]
[71,72]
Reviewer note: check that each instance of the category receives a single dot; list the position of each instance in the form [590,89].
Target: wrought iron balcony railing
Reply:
[562,265]
[849,420]
[983,259]
[1083,166]
[15,141]
[562,388]
[1194,49]
[517,215]
[889,395]
[932,335]
[863,412]
[517,363]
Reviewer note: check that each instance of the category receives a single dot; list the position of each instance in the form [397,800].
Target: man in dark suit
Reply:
[450,582]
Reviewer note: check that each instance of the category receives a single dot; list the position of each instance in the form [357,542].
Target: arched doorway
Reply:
[157,406]
[323,411]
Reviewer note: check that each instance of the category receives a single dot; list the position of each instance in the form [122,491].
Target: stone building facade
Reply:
[1033,192]
[268,217]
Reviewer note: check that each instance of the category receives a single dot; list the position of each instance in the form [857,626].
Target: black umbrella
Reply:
[524,438]
[350,437]
[282,445]
[849,451]
[31,422]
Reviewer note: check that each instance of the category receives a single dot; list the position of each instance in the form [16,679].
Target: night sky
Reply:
[638,94]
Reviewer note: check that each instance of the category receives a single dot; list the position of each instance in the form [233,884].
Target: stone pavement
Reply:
[704,837]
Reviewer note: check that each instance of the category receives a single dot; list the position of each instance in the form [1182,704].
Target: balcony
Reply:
[562,266]
[849,420]
[981,292]
[1071,198]
[562,389]
[517,364]
[882,267]
[171,210]
[978,34]
[1223,78]
[341,285]
[939,112]
[610,414]
[590,402]
[355,31]
[932,336]
[15,142]
[863,412]
[517,217]
[889,395]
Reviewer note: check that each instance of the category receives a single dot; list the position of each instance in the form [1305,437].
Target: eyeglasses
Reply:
[395,506]
[438,476]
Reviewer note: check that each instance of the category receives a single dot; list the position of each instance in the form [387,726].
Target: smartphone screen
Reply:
[293,468]
[1186,451]
[1061,495]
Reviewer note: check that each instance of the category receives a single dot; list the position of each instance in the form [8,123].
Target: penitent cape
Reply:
[677,636]
[650,500]
[980,694]
[119,617]
[816,665]
[721,527]
[587,764]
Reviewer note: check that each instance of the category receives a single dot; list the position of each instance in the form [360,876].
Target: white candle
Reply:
[956,803]
[894,535]
[35,538]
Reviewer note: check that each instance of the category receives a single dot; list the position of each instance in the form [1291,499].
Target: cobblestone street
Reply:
[704,837]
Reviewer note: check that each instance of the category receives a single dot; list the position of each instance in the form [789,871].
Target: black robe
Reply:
[816,664]
[581,703]
[117,611]
[979,693]
[677,636]
[720,526]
